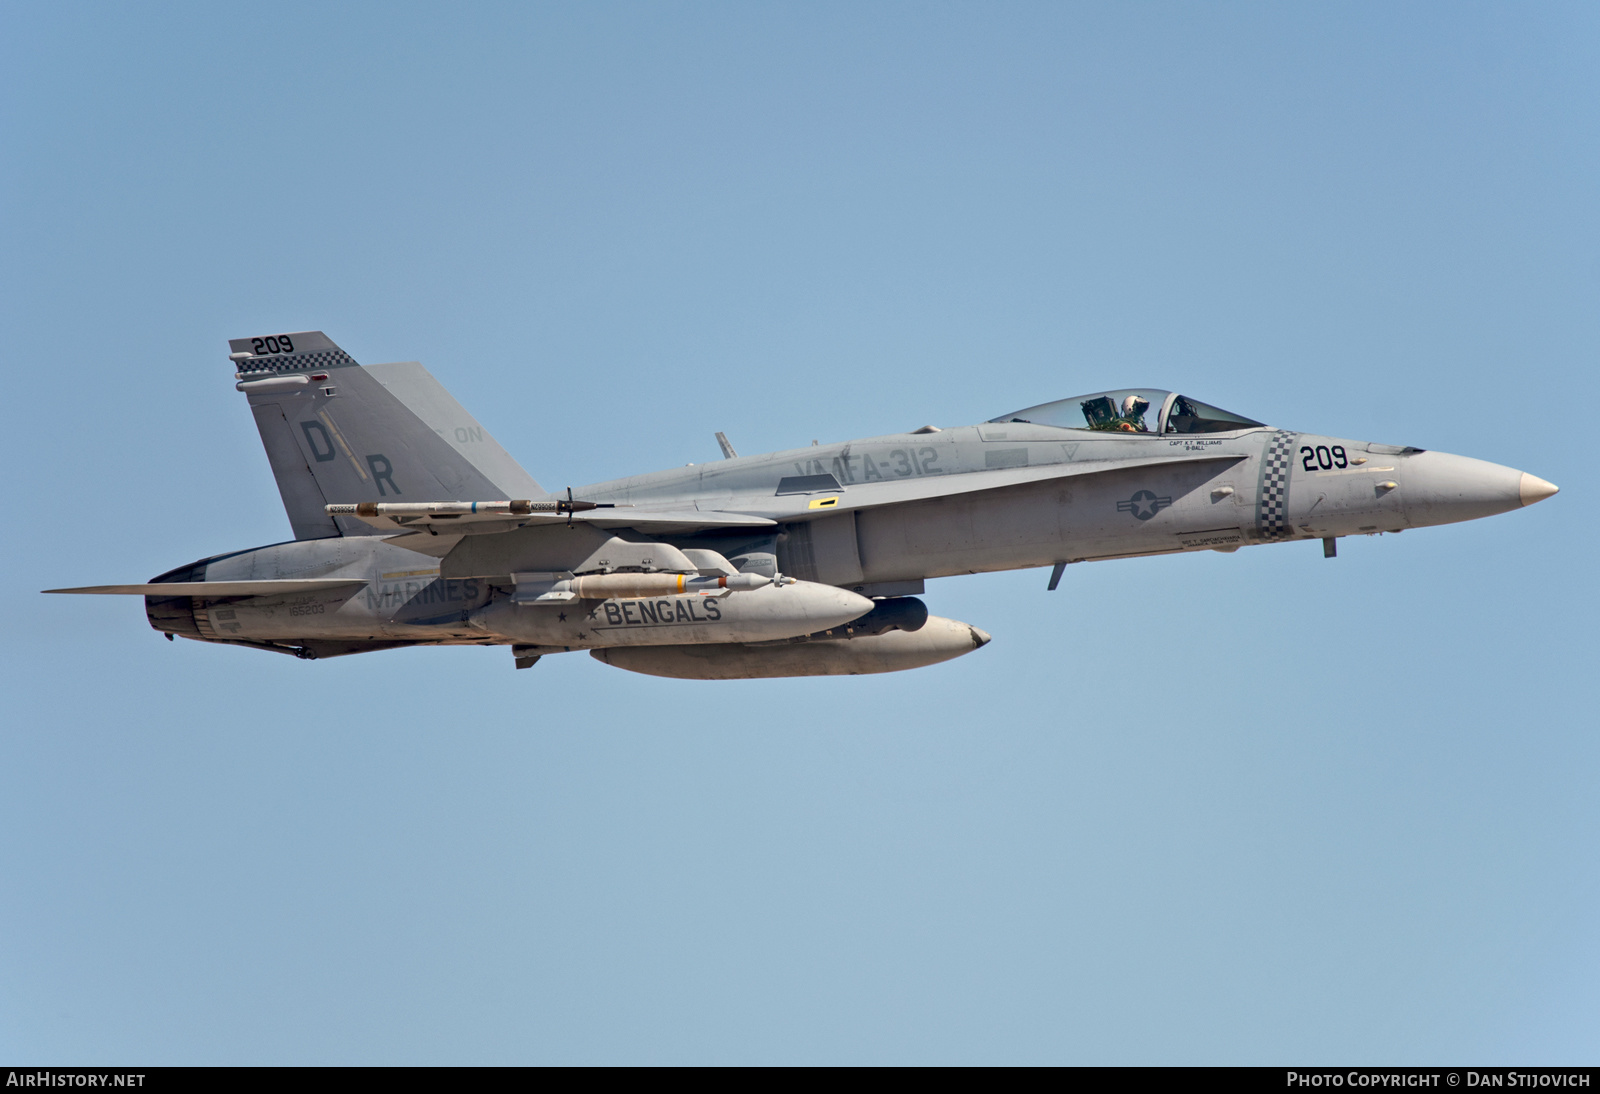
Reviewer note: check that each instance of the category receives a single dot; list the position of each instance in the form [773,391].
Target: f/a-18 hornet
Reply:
[412,526]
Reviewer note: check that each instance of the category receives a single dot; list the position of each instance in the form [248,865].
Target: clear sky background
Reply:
[1248,808]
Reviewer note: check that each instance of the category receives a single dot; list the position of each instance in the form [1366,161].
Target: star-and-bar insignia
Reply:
[1143,505]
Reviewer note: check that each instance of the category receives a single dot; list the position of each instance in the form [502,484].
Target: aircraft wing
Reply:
[875,494]
[212,590]
[434,528]
[430,525]
[436,533]
[659,519]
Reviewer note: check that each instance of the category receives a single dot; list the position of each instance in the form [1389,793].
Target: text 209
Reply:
[272,344]
[1322,457]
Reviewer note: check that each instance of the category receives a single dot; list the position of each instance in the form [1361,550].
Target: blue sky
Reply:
[1250,808]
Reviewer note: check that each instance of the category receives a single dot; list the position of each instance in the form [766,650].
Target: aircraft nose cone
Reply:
[1439,488]
[981,638]
[1536,489]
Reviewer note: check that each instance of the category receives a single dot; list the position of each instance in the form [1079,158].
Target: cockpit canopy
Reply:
[1132,410]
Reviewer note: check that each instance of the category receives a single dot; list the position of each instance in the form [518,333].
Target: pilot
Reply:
[1133,408]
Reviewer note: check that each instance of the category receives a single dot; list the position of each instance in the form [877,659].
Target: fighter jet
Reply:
[412,526]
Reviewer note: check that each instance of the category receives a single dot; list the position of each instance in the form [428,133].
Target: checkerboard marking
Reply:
[1272,499]
[298,362]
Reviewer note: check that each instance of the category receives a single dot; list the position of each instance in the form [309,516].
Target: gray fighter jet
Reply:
[413,527]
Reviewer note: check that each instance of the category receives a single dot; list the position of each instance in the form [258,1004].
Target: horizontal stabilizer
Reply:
[214,589]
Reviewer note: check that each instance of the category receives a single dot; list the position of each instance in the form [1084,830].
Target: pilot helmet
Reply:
[1134,406]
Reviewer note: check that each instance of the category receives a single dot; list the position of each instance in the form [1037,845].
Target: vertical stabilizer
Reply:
[337,433]
[425,397]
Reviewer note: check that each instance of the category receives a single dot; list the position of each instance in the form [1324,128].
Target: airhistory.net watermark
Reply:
[74,1078]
